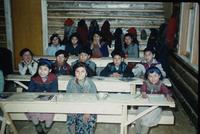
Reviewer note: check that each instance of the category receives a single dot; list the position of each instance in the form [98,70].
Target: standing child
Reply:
[74,46]
[152,85]
[43,81]
[118,67]
[27,65]
[148,61]
[61,67]
[81,123]
[131,46]
[54,45]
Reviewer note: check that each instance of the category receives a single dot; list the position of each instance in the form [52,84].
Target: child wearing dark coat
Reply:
[43,81]
[117,68]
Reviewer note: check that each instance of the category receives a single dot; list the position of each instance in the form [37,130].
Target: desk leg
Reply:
[21,84]
[3,125]
[5,119]
[124,119]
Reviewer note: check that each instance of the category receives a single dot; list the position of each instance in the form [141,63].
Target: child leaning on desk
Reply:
[148,61]
[118,67]
[152,85]
[81,123]
[60,66]
[43,81]
[27,64]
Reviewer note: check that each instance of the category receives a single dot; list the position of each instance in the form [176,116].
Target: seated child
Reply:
[118,67]
[84,56]
[61,67]
[43,81]
[81,123]
[98,47]
[151,85]
[131,46]
[73,47]
[148,61]
[54,45]
[27,65]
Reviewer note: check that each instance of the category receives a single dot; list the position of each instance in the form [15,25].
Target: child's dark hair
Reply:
[43,62]
[62,52]
[117,52]
[97,32]
[153,69]
[53,36]
[79,64]
[74,35]
[21,53]
[149,49]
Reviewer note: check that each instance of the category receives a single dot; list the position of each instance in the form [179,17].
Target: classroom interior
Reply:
[29,24]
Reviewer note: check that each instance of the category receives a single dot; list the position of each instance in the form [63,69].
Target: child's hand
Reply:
[115,75]
[86,117]
[169,98]
[144,95]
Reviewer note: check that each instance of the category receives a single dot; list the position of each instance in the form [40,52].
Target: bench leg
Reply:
[4,122]
[124,119]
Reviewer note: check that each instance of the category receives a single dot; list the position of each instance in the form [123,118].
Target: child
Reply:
[84,56]
[117,68]
[61,67]
[27,64]
[81,123]
[148,61]
[152,85]
[99,48]
[74,46]
[43,81]
[131,46]
[54,45]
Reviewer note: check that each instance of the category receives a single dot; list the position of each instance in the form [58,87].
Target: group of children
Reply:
[93,38]
[44,79]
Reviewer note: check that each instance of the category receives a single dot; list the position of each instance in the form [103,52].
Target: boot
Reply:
[39,129]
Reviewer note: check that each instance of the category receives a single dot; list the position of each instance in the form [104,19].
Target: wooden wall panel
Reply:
[27,27]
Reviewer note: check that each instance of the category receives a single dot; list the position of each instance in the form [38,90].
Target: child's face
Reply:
[83,57]
[43,71]
[60,59]
[117,60]
[128,40]
[74,40]
[55,41]
[148,56]
[96,37]
[80,73]
[27,58]
[153,77]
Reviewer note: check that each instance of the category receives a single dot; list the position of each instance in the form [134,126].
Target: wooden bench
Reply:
[167,117]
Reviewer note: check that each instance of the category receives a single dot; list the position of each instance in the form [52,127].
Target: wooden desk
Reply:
[114,104]
[100,62]
[103,84]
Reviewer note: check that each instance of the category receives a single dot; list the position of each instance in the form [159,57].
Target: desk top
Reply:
[80,98]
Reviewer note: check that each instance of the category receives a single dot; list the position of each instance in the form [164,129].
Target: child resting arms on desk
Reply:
[81,123]
[43,81]
[152,85]
[118,67]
